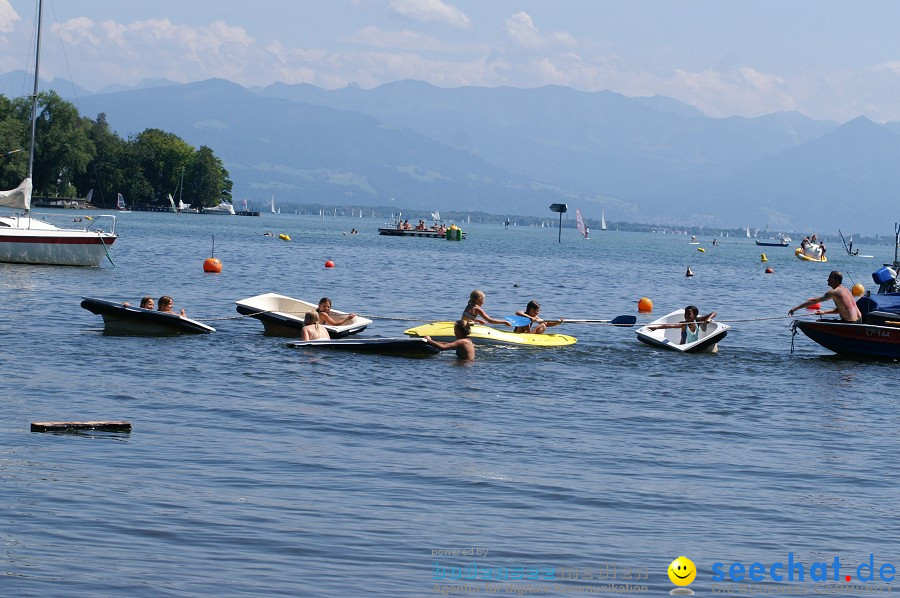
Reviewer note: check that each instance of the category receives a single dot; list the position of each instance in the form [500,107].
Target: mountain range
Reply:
[505,150]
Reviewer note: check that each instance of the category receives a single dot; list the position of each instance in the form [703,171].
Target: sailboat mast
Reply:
[34,99]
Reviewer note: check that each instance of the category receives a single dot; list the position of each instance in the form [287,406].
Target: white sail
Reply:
[273,205]
[579,223]
[602,219]
[18,198]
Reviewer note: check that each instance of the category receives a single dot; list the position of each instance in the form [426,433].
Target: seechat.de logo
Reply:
[794,570]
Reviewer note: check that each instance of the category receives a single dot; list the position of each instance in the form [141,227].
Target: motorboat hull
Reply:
[403,346]
[120,319]
[858,340]
[485,335]
[670,338]
[283,316]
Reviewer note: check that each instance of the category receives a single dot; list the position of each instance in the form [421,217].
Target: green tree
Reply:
[107,173]
[209,183]
[62,147]
[159,158]
[13,144]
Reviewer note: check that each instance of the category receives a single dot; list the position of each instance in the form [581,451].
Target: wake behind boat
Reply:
[670,338]
[121,319]
[283,316]
[485,335]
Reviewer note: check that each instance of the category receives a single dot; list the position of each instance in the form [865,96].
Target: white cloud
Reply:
[428,11]
[892,66]
[521,30]
[8,16]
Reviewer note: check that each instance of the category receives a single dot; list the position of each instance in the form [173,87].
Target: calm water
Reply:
[254,469]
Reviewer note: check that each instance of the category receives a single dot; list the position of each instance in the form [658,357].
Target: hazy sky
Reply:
[827,59]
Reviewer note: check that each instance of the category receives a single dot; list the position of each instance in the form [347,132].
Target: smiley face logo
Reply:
[682,571]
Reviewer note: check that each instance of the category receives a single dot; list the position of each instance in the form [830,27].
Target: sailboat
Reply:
[579,224]
[748,231]
[602,219]
[272,207]
[120,204]
[28,240]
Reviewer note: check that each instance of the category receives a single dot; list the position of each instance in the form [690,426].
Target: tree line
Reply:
[74,154]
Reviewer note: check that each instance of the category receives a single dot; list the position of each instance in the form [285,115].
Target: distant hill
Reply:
[515,151]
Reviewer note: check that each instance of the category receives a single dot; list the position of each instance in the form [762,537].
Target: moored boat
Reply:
[283,316]
[121,319]
[853,339]
[223,209]
[485,335]
[670,338]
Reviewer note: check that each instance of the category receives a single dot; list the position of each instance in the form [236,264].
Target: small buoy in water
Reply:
[815,305]
[701,250]
[858,290]
[284,237]
[212,264]
[764,258]
[689,273]
[645,305]
[516,285]
[329,264]
[769,270]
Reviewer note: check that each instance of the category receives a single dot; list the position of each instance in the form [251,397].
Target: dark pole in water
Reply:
[561,208]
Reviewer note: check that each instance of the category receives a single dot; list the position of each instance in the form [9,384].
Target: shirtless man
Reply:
[844,303]
[465,349]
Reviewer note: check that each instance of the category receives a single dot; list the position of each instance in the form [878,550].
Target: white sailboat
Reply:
[602,219]
[272,207]
[120,203]
[748,231]
[28,240]
[579,224]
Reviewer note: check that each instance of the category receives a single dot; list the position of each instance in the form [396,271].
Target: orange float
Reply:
[645,305]
[329,264]
[212,264]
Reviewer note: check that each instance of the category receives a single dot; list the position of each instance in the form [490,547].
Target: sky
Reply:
[827,59]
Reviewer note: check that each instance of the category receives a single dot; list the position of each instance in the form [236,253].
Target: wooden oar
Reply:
[617,321]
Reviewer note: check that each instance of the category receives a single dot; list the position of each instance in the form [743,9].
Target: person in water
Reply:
[311,329]
[465,348]
[532,310]
[165,305]
[147,302]
[324,312]
[474,312]
[844,304]
[691,326]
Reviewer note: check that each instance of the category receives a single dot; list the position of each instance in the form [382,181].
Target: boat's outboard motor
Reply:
[886,278]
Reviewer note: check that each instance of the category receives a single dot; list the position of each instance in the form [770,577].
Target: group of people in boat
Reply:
[312,331]
[808,242]
[164,304]
[422,226]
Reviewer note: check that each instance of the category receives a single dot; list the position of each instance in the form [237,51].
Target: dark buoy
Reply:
[770,270]
[689,273]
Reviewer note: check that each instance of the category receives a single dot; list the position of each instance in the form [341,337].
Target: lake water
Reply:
[258,470]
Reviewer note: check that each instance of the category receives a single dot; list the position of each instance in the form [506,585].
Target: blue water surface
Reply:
[258,470]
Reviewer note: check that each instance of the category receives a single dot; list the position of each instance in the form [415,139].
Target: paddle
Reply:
[617,321]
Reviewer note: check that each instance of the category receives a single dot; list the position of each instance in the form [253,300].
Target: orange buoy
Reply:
[212,264]
[814,305]
[769,270]
[329,264]
[645,305]
[858,290]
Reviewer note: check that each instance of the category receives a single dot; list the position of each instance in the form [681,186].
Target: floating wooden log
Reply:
[119,426]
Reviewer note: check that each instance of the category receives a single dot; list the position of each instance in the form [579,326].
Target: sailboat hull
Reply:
[57,247]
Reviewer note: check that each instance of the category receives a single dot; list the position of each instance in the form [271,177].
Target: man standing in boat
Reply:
[844,303]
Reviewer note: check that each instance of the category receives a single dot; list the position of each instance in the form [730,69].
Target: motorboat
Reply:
[283,316]
[670,338]
[854,339]
[223,209]
[26,238]
[122,319]
[486,335]
[401,346]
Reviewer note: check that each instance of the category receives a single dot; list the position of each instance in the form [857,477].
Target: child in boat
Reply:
[311,329]
[690,328]
[147,302]
[531,311]
[475,314]
[465,348]
[324,313]
[165,305]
